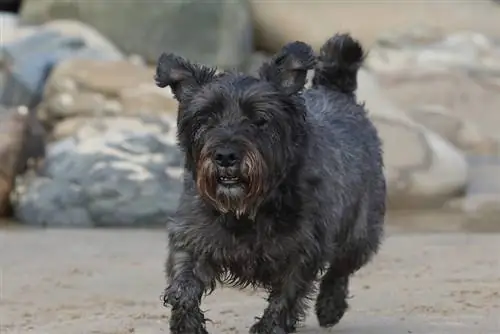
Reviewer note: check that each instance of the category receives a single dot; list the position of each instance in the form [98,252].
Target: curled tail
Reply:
[338,64]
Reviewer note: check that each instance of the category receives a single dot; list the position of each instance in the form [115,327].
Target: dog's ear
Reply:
[288,68]
[181,75]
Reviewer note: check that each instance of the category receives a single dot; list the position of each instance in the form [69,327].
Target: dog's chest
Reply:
[249,256]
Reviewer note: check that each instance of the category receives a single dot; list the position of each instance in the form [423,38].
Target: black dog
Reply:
[280,185]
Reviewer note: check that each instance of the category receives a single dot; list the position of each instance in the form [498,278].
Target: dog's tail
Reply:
[338,64]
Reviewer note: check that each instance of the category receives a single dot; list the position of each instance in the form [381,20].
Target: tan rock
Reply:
[69,127]
[481,210]
[94,126]
[461,132]
[466,97]
[459,72]
[279,22]
[89,88]
[423,170]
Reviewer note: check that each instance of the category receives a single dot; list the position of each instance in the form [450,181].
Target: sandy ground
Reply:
[110,281]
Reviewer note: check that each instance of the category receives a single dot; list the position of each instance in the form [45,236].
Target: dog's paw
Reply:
[330,311]
[187,321]
[263,327]
[180,294]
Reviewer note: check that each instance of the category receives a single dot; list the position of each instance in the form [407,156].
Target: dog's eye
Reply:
[260,122]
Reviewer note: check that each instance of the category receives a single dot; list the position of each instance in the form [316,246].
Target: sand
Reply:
[110,282]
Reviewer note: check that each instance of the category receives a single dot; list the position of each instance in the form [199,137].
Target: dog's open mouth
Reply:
[229,180]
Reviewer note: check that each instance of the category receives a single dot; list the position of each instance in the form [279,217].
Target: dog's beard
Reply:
[242,198]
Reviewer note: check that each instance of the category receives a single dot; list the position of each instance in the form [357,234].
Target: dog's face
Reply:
[240,134]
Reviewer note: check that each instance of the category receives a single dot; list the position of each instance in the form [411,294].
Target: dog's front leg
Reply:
[183,293]
[286,305]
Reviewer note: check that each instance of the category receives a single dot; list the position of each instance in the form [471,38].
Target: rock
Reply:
[479,209]
[484,175]
[461,132]
[115,172]
[423,170]
[465,96]
[11,29]
[91,37]
[468,51]
[25,62]
[416,35]
[279,22]
[214,33]
[20,141]
[91,88]
[460,72]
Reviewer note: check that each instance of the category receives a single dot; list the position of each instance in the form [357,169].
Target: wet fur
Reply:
[321,213]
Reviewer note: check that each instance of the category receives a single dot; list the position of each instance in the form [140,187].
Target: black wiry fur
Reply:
[310,195]
[339,61]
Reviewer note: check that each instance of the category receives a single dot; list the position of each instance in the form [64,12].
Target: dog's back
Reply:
[343,131]
[346,147]
[348,159]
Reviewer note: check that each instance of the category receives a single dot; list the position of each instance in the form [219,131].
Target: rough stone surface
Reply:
[90,88]
[215,32]
[114,172]
[479,209]
[467,51]
[279,22]
[461,132]
[459,72]
[27,60]
[423,170]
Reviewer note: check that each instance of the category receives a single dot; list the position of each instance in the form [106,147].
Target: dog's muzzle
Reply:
[232,177]
[228,163]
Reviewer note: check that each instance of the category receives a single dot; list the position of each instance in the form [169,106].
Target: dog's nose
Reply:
[226,157]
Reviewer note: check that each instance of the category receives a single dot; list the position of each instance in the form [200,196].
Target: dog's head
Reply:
[241,135]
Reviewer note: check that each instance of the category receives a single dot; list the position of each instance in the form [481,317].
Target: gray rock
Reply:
[25,63]
[105,177]
[55,203]
[212,32]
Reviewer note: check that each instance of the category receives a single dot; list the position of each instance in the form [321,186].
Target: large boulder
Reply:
[460,72]
[114,172]
[423,170]
[211,32]
[462,132]
[481,205]
[279,22]
[83,89]
[27,56]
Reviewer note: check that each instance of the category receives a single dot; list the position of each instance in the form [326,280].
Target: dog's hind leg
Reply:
[287,305]
[356,249]
[331,303]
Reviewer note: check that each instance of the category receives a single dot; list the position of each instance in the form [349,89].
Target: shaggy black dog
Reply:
[281,185]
